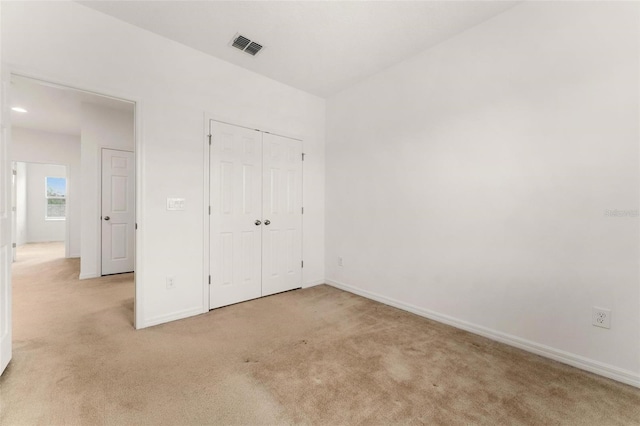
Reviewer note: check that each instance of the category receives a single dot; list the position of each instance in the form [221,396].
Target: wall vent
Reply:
[246,45]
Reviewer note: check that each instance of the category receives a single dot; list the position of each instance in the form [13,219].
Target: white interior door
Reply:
[118,211]
[235,223]
[5,223]
[282,213]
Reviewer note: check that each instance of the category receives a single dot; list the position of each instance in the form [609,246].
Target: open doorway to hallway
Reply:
[59,139]
[39,207]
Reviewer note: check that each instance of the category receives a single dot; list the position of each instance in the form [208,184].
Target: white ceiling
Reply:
[320,47]
[53,108]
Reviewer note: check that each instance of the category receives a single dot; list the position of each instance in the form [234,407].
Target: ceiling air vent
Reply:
[246,45]
[253,48]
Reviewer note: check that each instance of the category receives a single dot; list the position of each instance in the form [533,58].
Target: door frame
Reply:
[6,225]
[138,304]
[206,234]
[14,210]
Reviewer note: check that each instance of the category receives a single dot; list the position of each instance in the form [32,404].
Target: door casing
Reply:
[5,221]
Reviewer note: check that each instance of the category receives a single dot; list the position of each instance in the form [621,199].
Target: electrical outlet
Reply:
[170,282]
[340,261]
[601,317]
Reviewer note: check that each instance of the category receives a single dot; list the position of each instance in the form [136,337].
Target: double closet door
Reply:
[256,214]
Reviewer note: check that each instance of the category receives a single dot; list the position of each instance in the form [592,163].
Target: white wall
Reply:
[21,203]
[470,182]
[38,228]
[175,86]
[34,146]
[101,128]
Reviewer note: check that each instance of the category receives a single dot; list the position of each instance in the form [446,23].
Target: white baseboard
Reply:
[602,369]
[74,255]
[313,283]
[174,316]
[88,276]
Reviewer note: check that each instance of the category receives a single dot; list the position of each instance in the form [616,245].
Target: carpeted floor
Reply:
[313,356]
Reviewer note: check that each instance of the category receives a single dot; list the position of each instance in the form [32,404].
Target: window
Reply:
[56,188]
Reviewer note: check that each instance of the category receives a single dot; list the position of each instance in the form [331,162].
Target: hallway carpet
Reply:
[314,356]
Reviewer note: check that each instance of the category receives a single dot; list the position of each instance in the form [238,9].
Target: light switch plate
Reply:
[175,204]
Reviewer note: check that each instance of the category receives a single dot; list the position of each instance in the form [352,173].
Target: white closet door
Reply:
[236,203]
[282,214]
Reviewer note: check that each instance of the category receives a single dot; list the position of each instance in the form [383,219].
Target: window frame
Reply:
[48,197]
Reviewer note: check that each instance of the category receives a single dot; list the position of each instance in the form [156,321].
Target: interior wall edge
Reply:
[173,316]
[574,360]
[88,276]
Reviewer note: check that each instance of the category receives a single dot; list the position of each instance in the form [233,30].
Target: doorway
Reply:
[57,124]
[107,122]
[40,207]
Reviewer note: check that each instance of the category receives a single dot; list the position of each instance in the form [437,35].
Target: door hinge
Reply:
[302,263]
[209,140]
[302,210]
[136,226]
[209,210]
[13,245]
[13,209]
[209,279]
[15,172]
[303,154]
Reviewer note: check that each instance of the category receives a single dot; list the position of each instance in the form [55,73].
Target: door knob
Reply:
[267,222]
[107,218]
[257,222]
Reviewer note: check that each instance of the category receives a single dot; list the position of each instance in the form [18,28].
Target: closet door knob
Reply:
[267,222]
[107,218]
[257,222]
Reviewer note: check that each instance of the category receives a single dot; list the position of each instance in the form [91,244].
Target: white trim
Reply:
[178,315]
[138,306]
[593,366]
[206,288]
[67,225]
[302,272]
[63,84]
[638,380]
[261,127]
[98,235]
[313,283]
[6,229]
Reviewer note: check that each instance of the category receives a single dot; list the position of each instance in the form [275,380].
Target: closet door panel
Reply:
[282,213]
[235,250]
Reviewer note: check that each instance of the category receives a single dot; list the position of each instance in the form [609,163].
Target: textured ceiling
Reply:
[320,47]
[53,108]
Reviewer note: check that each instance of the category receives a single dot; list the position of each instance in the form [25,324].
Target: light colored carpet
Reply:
[313,356]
